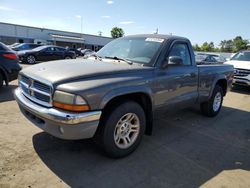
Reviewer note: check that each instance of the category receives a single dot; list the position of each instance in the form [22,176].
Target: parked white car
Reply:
[241,63]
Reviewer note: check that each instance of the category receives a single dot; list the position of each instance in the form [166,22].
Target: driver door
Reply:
[177,84]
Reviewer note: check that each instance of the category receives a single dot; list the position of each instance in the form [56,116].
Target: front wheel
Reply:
[122,129]
[31,59]
[213,106]
[68,57]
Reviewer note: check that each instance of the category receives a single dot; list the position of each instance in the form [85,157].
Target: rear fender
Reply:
[217,78]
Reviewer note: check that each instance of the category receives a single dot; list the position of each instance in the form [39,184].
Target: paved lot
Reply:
[186,150]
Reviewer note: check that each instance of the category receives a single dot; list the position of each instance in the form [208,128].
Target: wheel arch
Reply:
[141,97]
[223,84]
[220,80]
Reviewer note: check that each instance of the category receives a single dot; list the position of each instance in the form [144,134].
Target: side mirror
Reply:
[175,60]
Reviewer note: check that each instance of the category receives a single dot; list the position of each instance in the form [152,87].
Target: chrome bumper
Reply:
[241,81]
[65,125]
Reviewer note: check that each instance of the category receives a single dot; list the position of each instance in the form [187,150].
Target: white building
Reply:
[12,33]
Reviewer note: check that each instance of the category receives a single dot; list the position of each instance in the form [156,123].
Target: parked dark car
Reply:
[9,67]
[25,46]
[77,51]
[45,53]
[203,58]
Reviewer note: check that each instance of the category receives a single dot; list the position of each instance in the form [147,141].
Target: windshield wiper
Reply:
[119,59]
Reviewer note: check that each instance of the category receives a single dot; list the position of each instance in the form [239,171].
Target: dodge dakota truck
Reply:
[114,95]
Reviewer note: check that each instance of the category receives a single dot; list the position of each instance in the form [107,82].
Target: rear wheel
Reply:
[68,57]
[31,59]
[213,106]
[1,80]
[122,129]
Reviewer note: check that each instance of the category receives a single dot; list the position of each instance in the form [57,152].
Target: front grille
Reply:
[36,91]
[241,72]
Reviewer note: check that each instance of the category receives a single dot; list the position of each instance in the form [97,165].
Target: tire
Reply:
[1,80]
[212,107]
[115,130]
[67,57]
[31,59]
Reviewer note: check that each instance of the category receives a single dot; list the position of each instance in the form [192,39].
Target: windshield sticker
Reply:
[154,40]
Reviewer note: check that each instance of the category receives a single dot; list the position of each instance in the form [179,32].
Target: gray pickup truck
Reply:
[114,95]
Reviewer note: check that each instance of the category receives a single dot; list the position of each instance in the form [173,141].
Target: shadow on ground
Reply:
[7,93]
[185,150]
[241,89]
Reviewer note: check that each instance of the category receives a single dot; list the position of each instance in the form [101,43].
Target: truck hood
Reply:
[56,72]
[239,64]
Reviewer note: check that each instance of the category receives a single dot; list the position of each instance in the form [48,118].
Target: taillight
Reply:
[10,56]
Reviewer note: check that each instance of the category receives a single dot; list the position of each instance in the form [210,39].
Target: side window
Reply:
[59,49]
[50,49]
[181,50]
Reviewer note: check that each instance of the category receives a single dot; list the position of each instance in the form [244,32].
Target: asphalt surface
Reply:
[185,150]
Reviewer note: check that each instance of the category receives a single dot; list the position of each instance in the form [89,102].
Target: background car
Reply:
[25,46]
[87,52]
[9,67]
[241,63]
[77,51]
[13,45]
[209,58]
[45,53]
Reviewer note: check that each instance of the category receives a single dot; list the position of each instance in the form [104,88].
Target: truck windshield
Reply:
[137,50]
[241,56]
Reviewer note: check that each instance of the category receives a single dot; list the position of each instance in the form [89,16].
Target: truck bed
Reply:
[209,73]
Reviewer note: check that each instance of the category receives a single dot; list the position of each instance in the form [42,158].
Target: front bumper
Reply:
[12,70]
[241,81]
[61,124]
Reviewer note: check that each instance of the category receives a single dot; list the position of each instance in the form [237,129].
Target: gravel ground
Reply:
[185,150]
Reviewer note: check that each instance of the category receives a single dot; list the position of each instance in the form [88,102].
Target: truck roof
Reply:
[157,36]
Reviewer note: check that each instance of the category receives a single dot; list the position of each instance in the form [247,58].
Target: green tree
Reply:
[196,47]
[239,44]
[226,46]
[117,32]
[207,47]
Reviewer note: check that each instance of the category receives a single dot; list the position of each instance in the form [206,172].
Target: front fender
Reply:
[124,91]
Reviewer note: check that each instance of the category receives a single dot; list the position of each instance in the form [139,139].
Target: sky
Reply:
[200,21]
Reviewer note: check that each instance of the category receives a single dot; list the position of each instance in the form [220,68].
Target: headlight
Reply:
[68,101]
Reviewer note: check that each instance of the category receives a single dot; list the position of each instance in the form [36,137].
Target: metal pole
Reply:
[81,24]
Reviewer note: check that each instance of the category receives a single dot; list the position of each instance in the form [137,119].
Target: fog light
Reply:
[61,130]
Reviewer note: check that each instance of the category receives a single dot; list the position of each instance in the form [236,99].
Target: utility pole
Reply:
[81,24]
[156,31]
[100,33]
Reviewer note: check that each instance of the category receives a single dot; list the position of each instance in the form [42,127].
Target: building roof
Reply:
[70,32]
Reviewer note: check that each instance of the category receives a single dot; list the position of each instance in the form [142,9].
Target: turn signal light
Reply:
[71,107]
